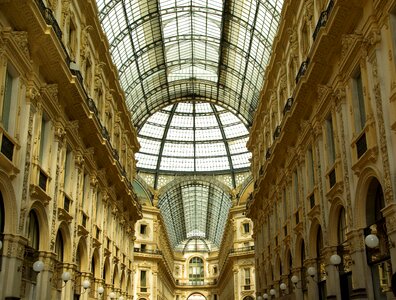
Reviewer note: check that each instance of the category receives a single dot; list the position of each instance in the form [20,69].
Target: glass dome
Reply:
[193,137]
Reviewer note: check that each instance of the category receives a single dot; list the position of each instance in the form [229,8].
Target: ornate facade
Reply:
[67,204]
[323,145]
[71,224]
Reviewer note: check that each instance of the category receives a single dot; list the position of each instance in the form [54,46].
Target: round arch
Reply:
[248,298]
[278,268]
[300,253]
[95,268]
[313,232]
[116,277]
[7,195]
[42,219]
[63,229]
[334,216]
[362,189]
[82,255]
[106,271]
[196,296]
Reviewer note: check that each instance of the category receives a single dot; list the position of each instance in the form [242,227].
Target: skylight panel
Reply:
[178,150]
[203,107]
[227,118]
[152,131]
[184,107]
[146,161]
[208,134]
[238,146]
[241,160]
[210,149]
[205,121]
[212,164]
[177,164]
[180,134]
[235,131]
[182,121]
[149,146]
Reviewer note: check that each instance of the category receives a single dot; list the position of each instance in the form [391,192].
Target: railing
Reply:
[332,178]
[361,145]
[288,105]
[43,178]
[7,147]
[268,153]
[302,70]
[323,19]
[148,251]
[242,249]
[66,204]
[277,132]
[196,283]
[312,200]
[49,18]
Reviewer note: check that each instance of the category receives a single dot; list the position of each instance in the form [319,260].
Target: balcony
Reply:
[322,19]
[242,249]
[147,251]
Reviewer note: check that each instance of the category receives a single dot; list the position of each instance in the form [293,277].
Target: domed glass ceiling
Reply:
[193,137]
[177,50]
[192,72]
[195,210]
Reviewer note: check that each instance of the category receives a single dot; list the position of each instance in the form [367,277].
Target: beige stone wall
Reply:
[66,161]
[323,143]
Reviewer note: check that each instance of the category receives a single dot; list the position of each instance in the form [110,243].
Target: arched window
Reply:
[196,270]
[341,230]
[2,217]
[33,231]
[59,246]
[378,257]
[320,265]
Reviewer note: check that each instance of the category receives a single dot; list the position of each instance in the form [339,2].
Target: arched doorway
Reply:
[248,298]
[378,257]
[196,296]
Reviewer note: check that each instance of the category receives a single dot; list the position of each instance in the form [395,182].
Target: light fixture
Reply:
[38,266]
[259,298]
[294,279]
[86,284]
[371,241]
[335,259]
[283,286]
[100,290]
[265,296]
[66,276]
[311,271]
[112,295]
[272,292]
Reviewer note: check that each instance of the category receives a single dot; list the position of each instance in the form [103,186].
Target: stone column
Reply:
[361,273]
[44,278]
[12,265]
[312,281]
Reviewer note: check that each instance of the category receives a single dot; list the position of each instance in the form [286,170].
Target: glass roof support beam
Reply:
[134,51]
[222,42]
[226,145]
[163,140]
[248,54]
[163,49]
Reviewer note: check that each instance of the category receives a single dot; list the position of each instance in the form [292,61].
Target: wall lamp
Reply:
[272,292]
[283,287]
[372,240]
